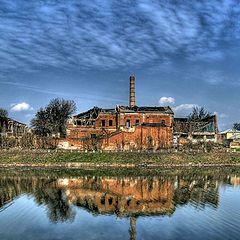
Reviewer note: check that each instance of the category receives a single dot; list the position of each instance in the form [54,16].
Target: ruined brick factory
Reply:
[132,128]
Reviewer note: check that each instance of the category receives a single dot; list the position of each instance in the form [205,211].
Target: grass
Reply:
[38,156]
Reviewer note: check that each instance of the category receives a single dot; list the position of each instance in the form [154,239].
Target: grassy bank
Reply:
[186,173]
[37,156]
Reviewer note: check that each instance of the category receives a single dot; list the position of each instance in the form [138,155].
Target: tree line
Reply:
[51,119]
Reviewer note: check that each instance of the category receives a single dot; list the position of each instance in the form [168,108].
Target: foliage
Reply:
[8,142]
[53,118]
[236,126]
[3,112]
[198,114]
[58,209]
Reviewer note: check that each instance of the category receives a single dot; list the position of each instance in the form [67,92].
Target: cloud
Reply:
[183,109]
[164,101]
[21,107]
[111,34]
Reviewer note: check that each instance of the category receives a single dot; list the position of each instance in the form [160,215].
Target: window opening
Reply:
[103,123]
[93,136]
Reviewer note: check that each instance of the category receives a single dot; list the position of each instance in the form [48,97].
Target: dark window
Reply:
[93,136]
[110,200]
[210,136]
[103,200]
[110,123]
[198,137]
[137,122]
[128,123]
[103,123]
[163,122]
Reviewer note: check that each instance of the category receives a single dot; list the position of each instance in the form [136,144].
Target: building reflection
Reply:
[129,197]
[121,196]
[235,180]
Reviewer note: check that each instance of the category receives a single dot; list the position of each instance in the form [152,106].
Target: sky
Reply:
[182,54]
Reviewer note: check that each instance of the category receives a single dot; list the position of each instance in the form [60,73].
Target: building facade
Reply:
[122,128]
[195,131]
[12,128]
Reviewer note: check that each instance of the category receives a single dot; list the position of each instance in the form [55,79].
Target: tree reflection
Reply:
[44,192]
[58,209]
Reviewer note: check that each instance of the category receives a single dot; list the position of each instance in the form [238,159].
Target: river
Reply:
[120,204]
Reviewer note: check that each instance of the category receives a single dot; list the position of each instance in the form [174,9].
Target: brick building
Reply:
[185,130]
[12,128]
[121,128]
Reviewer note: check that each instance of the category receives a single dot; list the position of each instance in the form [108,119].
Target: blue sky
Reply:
[182,53]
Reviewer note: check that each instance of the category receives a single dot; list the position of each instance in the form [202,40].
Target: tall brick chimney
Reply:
[132,91]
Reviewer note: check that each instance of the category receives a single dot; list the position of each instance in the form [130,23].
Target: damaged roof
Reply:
[95,111]
[230,131]
[167,110]
[7,119]
[186,119]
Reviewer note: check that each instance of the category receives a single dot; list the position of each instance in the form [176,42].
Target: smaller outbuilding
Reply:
[12,128]
[185,130]
[229,134]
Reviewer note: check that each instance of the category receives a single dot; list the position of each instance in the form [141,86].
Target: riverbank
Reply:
[47,158]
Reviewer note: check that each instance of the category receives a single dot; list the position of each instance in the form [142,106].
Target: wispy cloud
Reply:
[111,34]
[58,93]
[214,77]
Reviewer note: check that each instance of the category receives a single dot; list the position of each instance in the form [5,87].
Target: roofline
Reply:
[10,119]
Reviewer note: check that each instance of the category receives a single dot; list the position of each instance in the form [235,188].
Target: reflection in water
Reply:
[121,196]
[44,191]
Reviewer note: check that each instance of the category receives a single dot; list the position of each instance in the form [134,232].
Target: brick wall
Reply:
[144,131]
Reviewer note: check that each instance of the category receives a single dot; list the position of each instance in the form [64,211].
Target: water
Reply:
[124,204]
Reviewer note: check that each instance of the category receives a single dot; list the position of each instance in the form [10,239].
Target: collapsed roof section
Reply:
[166,110]
[94,112]
[185,126]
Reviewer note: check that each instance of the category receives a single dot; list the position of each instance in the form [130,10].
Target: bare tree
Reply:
[236,126]
[53,118]
[3,112]
[198,114]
